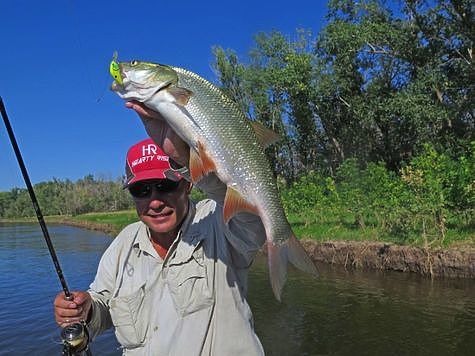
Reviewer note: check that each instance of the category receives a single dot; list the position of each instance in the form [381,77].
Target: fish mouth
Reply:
[128,88]
[116,86]
[140,91]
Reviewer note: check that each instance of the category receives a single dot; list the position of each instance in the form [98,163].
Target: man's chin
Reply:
[160,224]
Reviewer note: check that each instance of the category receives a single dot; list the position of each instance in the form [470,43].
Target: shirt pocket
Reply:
[129,319]
[189,285]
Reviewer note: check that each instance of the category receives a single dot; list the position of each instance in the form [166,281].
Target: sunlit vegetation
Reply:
[431,202]
[376,114]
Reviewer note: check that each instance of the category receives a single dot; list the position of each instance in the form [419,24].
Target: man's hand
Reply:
[163,135]
[67,312]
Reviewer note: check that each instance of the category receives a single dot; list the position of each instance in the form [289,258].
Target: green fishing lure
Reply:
[114,69]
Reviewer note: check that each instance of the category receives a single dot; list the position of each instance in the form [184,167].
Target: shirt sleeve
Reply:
[101,290]
[244,232]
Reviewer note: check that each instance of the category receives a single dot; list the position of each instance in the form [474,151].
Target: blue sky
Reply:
[54,79]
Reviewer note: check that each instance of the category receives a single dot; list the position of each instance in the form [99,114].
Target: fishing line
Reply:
[80,49]
[105,86]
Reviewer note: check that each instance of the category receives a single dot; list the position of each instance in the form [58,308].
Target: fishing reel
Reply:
[75,340]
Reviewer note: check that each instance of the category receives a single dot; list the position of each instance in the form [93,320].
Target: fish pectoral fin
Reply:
[196,166]
[265,136]
[208,163]
[235,203]
[181,95]
[279,256]
[200,163]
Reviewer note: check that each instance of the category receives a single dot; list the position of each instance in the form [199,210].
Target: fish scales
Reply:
[233,140]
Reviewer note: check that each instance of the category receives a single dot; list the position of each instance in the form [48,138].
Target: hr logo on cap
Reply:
[149,149]
[150,152]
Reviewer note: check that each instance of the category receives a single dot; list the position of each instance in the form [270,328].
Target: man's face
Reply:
[162,211]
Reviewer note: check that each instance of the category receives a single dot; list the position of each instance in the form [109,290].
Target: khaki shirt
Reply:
[191,303]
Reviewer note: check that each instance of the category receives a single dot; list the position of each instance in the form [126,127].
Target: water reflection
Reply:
[340,313]
[358,313]
[29,284]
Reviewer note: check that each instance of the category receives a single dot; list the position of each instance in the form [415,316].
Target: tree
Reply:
[377,84]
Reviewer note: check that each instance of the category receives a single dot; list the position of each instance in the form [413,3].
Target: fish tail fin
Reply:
[278,257]
[299,257]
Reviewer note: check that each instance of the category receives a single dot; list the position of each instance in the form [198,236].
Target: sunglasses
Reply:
[144,189]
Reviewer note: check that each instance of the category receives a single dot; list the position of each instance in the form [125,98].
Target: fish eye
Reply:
[134,62]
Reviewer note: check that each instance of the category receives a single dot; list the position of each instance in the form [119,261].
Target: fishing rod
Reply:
[74,337]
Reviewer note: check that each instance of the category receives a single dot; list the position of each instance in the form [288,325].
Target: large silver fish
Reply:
[221,140]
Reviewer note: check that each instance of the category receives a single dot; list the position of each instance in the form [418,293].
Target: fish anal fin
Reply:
[265,136]
[181,95]
[235,203]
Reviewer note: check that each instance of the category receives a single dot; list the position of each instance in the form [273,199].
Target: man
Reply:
[174,283]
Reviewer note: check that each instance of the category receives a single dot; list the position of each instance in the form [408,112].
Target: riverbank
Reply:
[366,255]
[452,262]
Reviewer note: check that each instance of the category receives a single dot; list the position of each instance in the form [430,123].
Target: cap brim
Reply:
[146,175]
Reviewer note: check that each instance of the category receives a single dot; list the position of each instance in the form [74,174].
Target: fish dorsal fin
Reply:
[235,203]
[200,163]
[181,95]
[265,136]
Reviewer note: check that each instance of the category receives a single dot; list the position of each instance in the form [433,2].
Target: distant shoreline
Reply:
[362,255]
[108,229]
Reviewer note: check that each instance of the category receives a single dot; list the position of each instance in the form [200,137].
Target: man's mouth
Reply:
[162,214]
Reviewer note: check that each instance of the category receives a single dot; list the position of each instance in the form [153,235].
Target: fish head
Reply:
[139,80]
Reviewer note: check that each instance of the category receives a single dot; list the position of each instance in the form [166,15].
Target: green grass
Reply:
[327,228]
[119,219]
[32,219]
[305,225]
[110,222]
[323,229]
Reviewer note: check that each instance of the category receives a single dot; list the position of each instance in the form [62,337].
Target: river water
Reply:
[340,313]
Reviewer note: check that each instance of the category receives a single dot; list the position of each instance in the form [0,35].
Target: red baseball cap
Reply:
[146,160]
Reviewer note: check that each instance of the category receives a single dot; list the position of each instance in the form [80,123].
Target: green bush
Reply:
[432,193]
[313,197]
[431,198]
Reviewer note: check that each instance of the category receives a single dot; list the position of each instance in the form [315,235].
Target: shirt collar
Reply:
[187,240]
[143,242]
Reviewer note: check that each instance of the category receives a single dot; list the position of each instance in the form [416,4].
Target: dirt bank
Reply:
[108,229]
[376,255]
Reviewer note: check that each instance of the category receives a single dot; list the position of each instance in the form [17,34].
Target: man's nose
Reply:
[156,199]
